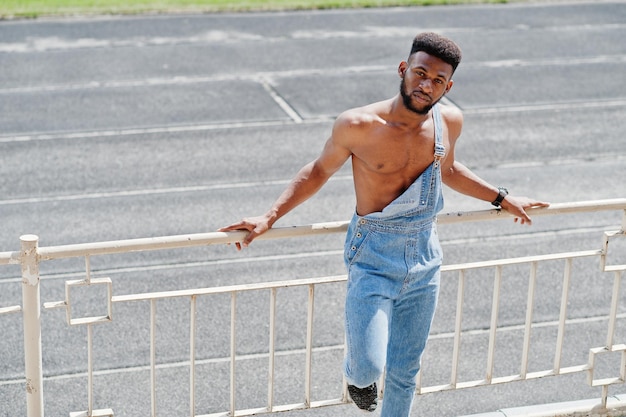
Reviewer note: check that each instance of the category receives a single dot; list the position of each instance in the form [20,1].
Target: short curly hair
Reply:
[439,46]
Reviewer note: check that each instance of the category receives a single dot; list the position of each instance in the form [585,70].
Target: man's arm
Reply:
[305,184]
[461,179]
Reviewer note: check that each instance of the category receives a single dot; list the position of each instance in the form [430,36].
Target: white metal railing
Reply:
[30,256]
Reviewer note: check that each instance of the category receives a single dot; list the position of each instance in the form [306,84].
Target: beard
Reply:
[408,102]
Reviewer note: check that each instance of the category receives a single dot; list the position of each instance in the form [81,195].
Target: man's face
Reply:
[425,79]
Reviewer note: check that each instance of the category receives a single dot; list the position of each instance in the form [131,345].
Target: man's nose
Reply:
[426,85]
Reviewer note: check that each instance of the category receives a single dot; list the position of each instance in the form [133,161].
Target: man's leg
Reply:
[367,330]
[410,324]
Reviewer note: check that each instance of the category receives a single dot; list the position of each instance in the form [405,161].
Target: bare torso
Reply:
[387,155]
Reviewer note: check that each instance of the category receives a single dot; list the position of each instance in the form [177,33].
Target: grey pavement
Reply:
[121,127]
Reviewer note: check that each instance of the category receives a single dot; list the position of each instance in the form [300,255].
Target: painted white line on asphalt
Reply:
[598,104]
[282,103]
[561,61]
[180,364]
[152,130]
[305,72]
[195,79]
[42,44]
[547,107]
[604,158]
[156,191]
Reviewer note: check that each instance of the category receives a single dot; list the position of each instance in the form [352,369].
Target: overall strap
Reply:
[440,149]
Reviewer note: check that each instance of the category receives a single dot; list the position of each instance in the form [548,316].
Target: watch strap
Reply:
[502,192]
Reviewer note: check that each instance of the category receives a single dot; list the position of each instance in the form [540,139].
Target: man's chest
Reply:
[405,155]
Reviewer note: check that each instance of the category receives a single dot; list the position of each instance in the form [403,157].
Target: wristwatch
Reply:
[502,192]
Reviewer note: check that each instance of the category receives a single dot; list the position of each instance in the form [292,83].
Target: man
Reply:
[401,150]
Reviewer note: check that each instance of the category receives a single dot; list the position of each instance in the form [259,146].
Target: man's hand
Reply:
[254,225]
[517,207]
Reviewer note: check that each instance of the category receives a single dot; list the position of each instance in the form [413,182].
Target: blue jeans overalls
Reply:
[393,259]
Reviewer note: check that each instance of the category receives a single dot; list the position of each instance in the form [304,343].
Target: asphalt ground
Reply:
[138,126]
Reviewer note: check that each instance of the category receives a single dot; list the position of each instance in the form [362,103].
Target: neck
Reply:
[405,115]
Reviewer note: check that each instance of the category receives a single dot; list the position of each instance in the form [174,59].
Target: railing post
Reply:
[32,325]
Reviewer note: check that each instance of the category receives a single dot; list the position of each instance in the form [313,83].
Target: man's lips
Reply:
[422,97]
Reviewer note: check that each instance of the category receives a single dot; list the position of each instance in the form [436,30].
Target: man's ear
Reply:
[402,68]
[449,86]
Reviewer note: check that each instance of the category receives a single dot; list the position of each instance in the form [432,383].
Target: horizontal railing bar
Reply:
[182,241]
[10,258]
[94,413]
[503,379]
[521,260]
[554,209]
[216,238]
[278,409]
[90,320]
[229,289]
[328,279]
[518,327]
[10,309]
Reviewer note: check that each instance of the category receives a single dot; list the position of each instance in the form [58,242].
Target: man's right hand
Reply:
[254,225]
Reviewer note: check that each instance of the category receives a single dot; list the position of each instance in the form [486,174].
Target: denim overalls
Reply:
[393,259]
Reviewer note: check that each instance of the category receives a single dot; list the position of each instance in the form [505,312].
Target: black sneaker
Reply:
[364,398]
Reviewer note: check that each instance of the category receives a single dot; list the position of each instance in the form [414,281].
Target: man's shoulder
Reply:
[355,125]
[363,116]
[453,119]
[451,114]
[357,117]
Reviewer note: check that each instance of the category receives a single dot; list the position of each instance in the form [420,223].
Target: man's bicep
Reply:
[334,154]
[454,125]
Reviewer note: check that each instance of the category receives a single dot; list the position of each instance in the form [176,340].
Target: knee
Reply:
[363,373]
